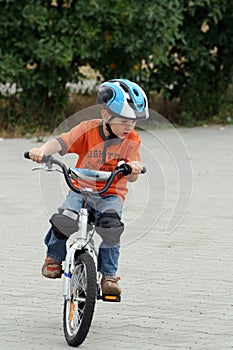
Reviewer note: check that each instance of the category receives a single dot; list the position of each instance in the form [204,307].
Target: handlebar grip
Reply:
[26,155]
[144,170]
[126,169]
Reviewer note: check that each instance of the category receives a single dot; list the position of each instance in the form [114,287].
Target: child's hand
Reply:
[136,167]
[50,147]
[36,154]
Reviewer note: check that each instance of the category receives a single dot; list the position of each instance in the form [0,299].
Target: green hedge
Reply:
[179,49]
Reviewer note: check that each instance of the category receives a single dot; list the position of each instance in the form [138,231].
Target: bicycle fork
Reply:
[80,243]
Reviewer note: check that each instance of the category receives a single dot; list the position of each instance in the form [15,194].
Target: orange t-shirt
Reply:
[98,152]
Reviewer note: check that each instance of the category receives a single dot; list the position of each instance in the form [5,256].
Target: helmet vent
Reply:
[136,92]
[124,87]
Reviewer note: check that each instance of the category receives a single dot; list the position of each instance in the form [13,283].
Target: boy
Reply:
[101,144]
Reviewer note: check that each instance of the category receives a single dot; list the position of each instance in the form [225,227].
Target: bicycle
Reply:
[81,279]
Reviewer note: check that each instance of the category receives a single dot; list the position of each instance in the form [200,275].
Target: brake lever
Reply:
[38,168]
[46,164]
[44,167]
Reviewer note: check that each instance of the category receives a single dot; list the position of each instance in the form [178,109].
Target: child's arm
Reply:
[50,147]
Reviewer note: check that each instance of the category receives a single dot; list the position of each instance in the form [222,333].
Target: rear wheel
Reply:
[79,309]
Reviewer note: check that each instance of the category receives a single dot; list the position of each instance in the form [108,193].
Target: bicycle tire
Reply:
[79,309]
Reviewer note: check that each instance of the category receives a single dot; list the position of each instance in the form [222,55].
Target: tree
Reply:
[180,48]
[199,66]
[37,56]
[132,31]
[45,42]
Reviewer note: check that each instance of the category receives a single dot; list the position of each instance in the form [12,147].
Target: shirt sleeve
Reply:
[72,140]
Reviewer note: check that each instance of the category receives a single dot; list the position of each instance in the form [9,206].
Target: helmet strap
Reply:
[111,133]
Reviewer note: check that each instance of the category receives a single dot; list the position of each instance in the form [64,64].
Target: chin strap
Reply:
[111,133]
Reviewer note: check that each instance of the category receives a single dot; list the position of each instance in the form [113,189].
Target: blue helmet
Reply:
[124,98]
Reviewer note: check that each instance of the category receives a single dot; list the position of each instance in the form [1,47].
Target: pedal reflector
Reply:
[112,298]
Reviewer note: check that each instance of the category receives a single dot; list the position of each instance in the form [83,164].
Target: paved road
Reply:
[177,284]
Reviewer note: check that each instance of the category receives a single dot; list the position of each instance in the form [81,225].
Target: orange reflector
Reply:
[110,297]
[71,315]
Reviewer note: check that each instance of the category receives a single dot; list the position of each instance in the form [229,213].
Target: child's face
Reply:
[122,127]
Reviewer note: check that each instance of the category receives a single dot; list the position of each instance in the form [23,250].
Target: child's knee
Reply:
[110,228]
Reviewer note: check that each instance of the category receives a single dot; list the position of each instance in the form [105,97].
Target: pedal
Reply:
[111,298]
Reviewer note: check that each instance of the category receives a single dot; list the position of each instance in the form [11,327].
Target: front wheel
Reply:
[79,308]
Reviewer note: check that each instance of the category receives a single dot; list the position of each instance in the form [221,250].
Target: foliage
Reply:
[199,66]
[182,49]
[45,42]
[38,56]
[132,31]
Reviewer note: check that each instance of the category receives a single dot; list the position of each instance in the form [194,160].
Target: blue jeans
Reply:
[108,256]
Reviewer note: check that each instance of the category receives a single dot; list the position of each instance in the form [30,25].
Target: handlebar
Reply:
[123,168]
